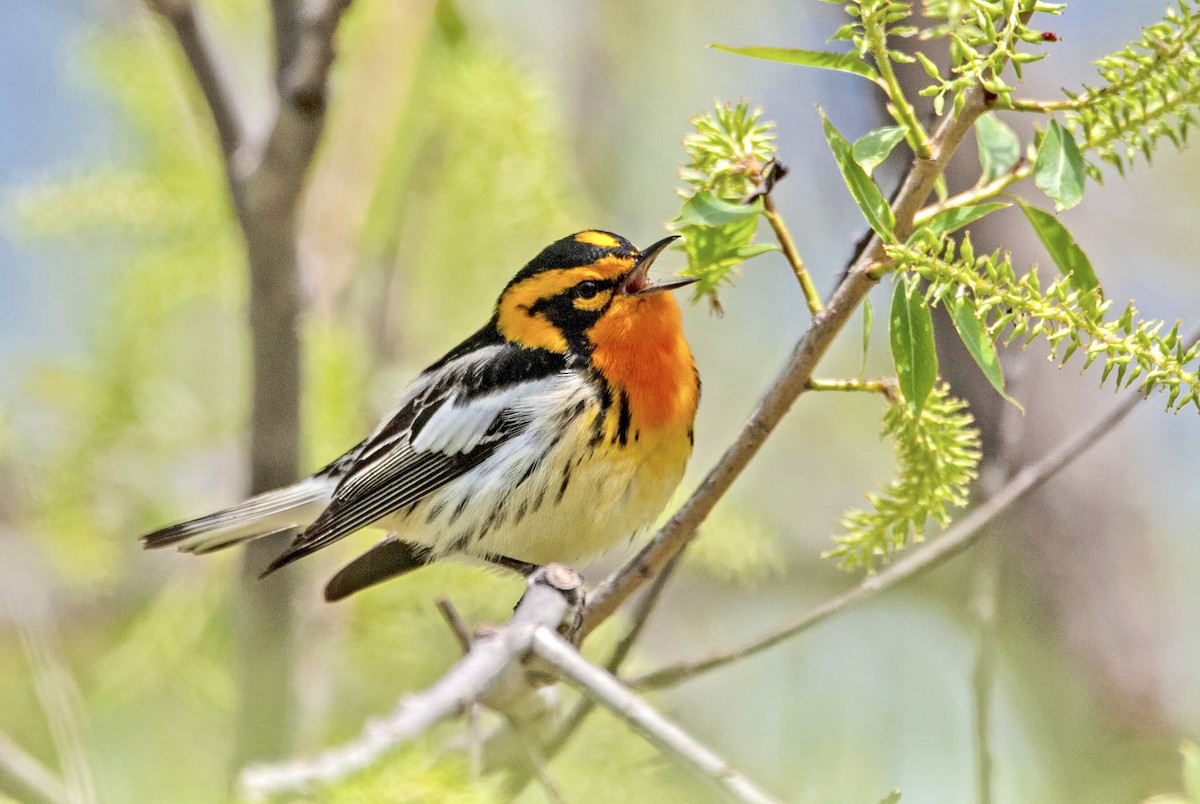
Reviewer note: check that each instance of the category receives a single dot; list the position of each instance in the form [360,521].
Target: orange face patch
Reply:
[639,346]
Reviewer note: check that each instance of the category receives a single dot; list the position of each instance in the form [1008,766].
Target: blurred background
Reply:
[463,136]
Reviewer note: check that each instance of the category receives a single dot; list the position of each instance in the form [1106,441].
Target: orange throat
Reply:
[641,351]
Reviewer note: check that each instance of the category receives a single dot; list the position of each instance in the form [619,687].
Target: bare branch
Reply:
[551,596]
[27,772]
[555,739]
[793,379]
[201,53]
[960,536]
[455,621]
[604,688]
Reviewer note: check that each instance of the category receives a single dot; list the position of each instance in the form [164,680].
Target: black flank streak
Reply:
[691,437]
[566,481]
[520,512]
[552,444]
[528,473]
[623,420]
[495,519]
[435,511]
[604,398]
[597,432]
[458,509]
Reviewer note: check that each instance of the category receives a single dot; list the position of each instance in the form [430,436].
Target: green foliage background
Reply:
[464,154]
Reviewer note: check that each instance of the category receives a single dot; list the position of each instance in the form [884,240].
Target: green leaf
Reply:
[866,193]
[892,798]
[951,220]
[910,327]
[1063,249]
[871,149]
[999,148]
[842,62]
[1059,171]
[705,209]
[867,323]
[983,350]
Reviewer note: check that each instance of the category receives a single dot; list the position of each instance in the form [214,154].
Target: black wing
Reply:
[454,417]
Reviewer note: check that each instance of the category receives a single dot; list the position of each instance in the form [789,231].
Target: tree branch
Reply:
[278,175]
[604,688]
[556,737]
[201,54]
[267,192]
[551,599]
[793,379]
[960,536]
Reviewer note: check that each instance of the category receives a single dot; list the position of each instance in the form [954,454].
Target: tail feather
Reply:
[292,506]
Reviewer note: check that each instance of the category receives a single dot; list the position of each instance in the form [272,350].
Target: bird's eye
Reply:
[586,290]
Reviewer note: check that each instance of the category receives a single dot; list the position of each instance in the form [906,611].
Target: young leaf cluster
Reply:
[937,452]
[1069,315]
[727,153]
[874,22]
[984,37]
[1151,91]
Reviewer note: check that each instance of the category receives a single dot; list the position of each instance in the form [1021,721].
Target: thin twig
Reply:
[900,109]
[960,536]
[551,595]
[211,74]
[793,379]
[996,472]
[455,621]
[32,776]
[1023,169]
[888,386]
[597,683]
[1046,106]
[811,297]
[983,674]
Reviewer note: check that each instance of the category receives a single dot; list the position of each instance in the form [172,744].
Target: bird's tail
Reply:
[292,506]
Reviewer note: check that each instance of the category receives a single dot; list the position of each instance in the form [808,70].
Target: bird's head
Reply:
[560,297]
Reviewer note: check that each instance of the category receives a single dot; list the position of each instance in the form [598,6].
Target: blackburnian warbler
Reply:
[558,429]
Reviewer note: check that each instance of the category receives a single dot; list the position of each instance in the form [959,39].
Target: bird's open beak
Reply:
[638,282]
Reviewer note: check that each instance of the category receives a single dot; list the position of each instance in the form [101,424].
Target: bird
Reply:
[555,431]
